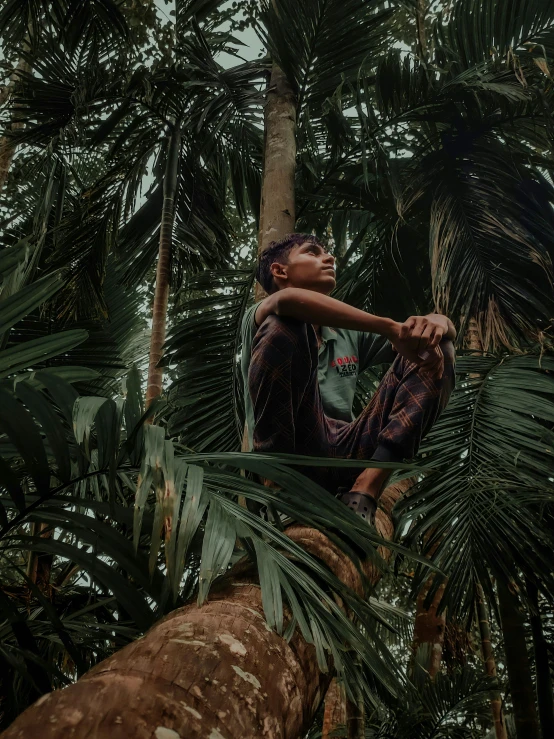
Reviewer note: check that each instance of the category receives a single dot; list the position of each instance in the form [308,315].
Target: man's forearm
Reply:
[312,307]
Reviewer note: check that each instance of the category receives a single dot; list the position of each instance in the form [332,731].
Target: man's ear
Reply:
[279,270]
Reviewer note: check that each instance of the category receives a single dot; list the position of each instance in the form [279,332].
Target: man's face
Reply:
[308,266]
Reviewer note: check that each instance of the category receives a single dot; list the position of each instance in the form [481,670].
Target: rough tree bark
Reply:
[542,665]
[214,672]
[163,270]
[518,664]
[490,664]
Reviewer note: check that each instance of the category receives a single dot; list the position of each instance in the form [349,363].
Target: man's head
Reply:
[298,260]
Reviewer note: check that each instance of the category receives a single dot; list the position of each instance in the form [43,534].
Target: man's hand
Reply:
[427,331]
[418,339]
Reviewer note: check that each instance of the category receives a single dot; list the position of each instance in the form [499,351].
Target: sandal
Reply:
[363,504]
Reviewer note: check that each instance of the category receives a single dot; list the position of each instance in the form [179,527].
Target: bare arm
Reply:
[321,310]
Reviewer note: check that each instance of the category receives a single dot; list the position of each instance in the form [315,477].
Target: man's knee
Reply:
[449,352]
[283,333]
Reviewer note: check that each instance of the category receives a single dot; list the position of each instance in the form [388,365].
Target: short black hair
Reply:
[276,251]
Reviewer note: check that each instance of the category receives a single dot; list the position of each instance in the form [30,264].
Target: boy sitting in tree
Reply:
[302,354]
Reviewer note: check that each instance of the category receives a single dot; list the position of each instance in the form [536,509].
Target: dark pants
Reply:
[288,410]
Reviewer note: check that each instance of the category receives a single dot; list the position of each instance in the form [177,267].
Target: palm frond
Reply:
[485,510]
[206,394]
[480,29]
[490,241]
[323,43]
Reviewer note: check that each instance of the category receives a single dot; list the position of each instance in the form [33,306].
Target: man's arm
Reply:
[321,310]
[419,335]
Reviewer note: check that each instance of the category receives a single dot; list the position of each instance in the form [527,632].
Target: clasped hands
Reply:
[418,340]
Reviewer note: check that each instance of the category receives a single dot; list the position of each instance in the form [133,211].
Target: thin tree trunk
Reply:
[421,15]
[277,207]
[215,671]
[542,666]
[7,145]
[429,628]
[355,719]
[334,714]
[518,664]
[39,564]
[163,271]
[490,664]
[277,211]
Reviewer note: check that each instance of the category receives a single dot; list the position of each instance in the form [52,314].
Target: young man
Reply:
[302,353]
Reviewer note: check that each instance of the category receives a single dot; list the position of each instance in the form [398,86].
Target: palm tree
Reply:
[396,156]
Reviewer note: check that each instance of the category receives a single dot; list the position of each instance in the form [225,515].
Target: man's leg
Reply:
[390,429]
[282,381]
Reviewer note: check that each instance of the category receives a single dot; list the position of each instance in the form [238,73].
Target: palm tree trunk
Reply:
[338,711]
[39,564]
[7,146]
[277,211]
[215,671]
[334,715]
[490,664]
[355,719]
[542,666]
[163,271]
[277,207]
[518,664]
[429,628]
[421,15]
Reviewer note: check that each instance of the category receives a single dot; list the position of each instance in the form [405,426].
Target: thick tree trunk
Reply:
[215,671]
[542,666]
[429,629]
[518,664]
[490,664]
[277,211]
[339,712]
[163,271]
